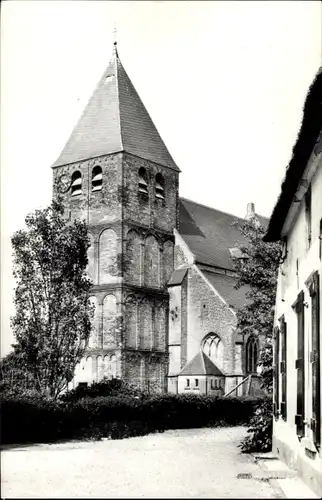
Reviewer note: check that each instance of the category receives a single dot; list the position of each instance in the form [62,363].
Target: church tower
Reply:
[117,174]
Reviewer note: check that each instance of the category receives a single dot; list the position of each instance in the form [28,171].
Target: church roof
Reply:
[201,364]
[210,233]
[177,277]
[225,287]
[114,120]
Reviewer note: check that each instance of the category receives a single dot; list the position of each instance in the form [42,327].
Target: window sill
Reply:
[308,443]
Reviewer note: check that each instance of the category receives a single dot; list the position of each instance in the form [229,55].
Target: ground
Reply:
[193,463]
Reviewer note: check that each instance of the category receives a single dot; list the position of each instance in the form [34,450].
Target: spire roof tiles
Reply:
[115,120]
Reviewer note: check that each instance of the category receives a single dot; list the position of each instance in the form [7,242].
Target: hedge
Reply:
[33,420]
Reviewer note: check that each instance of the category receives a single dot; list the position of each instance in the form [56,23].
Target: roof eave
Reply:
[302,150]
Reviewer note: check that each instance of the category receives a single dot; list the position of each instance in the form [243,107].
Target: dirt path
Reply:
[195,463]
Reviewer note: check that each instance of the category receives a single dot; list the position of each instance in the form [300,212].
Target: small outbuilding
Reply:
[201,376]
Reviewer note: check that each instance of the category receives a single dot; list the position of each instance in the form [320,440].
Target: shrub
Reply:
[30,418]
[260,429]
[35,419]
[105,387]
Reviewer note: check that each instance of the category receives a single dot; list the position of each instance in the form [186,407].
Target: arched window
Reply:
[143,181]
[251,355]
[76,186]
[97,179]
[212,346]
[159,187]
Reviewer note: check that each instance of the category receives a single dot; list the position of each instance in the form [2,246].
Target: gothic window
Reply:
[97,179]
[143,181]
[76,185]
[159,187]
[251,355]
[213,348]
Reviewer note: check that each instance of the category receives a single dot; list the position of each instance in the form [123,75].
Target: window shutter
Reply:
[283,369]
[276,337]
[299,365]
[314,289]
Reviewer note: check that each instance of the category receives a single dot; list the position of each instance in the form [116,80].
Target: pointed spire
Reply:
[114,120]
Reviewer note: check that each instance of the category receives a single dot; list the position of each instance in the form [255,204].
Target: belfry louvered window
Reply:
[97,178]
[314,289]
[300,367]
[76,185]
[159,187]
[283,369]
[276,380]
[143,181]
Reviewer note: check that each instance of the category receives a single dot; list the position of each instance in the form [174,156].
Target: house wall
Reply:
[204,385]
[301,261]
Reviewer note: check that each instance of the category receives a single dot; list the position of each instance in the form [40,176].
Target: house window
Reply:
[212,346]
[276,372]
[159,187]
[143,181]
[196,382]
[187,382]
[320,237]
[251,355]
[97,179]
[283,369]
[314,290]
[300,367]
[76,185]
[308,214]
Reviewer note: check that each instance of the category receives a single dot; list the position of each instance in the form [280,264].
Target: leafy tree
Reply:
[53,315]
[258,271]
[13,375]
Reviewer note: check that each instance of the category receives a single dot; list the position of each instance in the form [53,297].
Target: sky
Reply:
[224,82]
